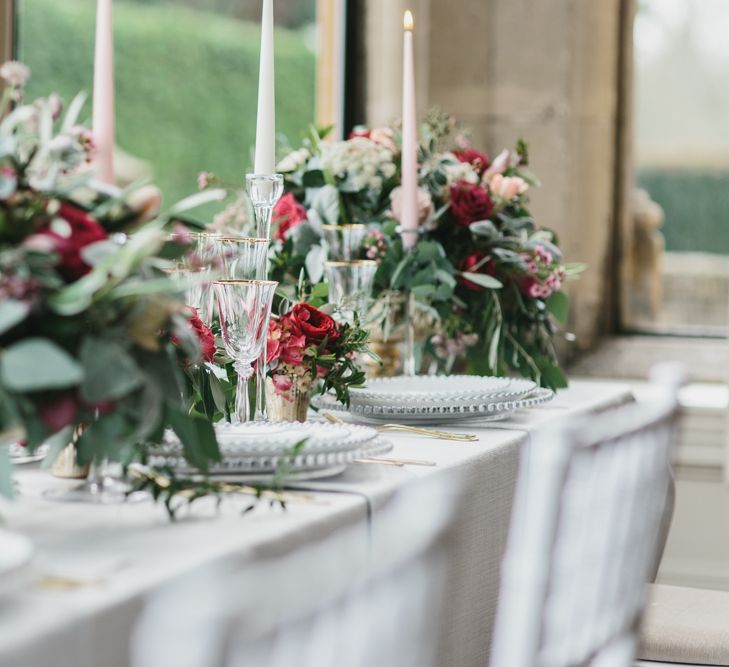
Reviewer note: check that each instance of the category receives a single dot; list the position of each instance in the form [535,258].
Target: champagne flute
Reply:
[244,307]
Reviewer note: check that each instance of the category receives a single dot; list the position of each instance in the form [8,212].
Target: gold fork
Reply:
[428,432]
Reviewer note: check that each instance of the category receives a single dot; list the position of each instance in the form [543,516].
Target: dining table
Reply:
[96,565]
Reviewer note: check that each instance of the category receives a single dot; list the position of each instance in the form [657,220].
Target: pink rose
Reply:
[282,383]
[287,214]
[508,187]
[385,137]
[498,166]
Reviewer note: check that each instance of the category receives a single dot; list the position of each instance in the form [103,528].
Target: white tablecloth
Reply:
[122,553]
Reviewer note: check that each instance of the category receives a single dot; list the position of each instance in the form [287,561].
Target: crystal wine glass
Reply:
[350,286]
[244,307]
[243,258]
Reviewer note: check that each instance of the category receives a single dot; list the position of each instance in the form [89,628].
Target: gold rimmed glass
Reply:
[243,258]
[244,307]
[350,286]
[344,241]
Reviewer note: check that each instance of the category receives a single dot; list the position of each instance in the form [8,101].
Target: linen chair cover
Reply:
[320,606]
[585,531]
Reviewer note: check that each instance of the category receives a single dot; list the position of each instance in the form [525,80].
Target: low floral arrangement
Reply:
[92,330]
[487,279]
[307,345]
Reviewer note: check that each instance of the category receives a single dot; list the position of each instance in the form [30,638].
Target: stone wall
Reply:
[544,70]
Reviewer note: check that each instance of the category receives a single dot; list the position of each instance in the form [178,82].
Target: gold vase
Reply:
[291,406]
[66,465]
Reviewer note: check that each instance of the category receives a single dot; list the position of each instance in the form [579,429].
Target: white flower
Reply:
[293,161]
[455,170]
[358,163]
[14,73]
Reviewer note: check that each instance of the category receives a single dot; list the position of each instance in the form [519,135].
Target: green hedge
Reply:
[185,82]
[696,203]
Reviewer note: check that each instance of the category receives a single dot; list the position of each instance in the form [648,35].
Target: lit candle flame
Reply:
[408,23]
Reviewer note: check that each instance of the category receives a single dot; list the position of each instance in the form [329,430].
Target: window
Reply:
[186,77]
[681,151]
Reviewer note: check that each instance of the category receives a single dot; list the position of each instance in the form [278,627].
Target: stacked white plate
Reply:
[434,398]
[257,448]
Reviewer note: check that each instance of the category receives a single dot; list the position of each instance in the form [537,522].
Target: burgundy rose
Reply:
[470,203]
[59,412]
[205,337]
[312,323]
[360,131]
[479,161]
[84,231]
[476,262]
[288,213]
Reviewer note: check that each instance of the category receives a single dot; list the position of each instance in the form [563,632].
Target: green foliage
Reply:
[186,81]
[37,364]
[695,202]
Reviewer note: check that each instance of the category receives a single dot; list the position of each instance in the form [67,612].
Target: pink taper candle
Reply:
[103,111]
[409,167]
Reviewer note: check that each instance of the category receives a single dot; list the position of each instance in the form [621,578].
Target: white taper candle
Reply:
[265,162]
[103,99]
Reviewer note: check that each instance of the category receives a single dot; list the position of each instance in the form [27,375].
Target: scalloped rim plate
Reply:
[266,463]
[442,389]
[254,439]
[485,410]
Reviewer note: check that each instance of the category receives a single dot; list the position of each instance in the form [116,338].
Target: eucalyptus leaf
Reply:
[326,204]
[37,364]
[197,436]
[110,371]
[74,109]
[196,200]
[95,253]
[12,312]
[481,279]
[484,228]
[56,444]
[558,304]
[445,277]
[315,263]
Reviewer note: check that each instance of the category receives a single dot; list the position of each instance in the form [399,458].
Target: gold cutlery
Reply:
[428,432]
[405,462]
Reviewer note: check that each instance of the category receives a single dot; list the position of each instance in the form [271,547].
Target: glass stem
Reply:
[242,404]
[409,361]
[263,215]
[261,412]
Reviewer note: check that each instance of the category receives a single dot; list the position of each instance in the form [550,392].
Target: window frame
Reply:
[334,23]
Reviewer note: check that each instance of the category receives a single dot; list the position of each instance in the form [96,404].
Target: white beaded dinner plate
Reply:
[277,438]
[20,455]
[440,390]
[437,412]
[16,553]
[312,457]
